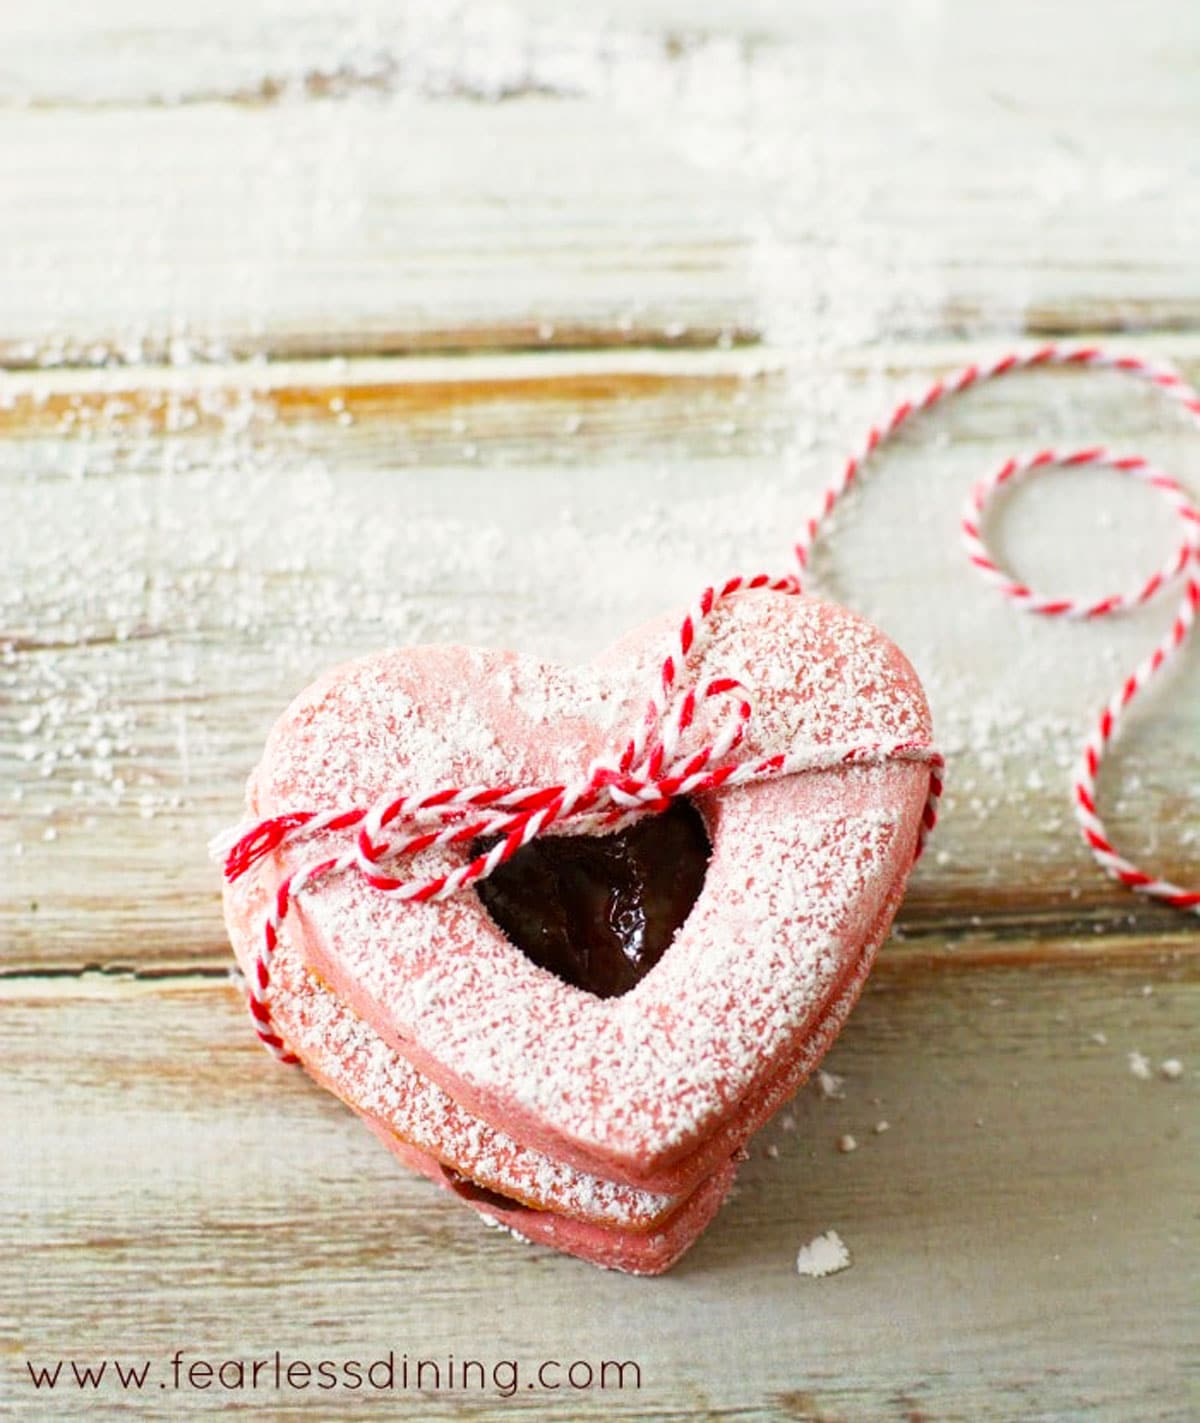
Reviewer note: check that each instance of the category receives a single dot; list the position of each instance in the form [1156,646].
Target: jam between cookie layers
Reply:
[599,911]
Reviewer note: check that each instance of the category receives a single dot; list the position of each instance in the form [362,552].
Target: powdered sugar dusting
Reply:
[428,716]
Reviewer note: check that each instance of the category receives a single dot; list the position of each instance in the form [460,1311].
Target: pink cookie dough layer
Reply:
[343,1055]
[634,1252]
[348,1059]
[804,876]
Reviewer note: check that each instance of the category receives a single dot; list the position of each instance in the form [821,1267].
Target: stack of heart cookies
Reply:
[580,1046]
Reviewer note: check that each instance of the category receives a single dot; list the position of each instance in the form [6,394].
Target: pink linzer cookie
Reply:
[650,1088]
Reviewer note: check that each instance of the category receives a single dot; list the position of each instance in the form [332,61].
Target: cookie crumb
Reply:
[1100,1039]
[881,1127]
[1139,1065]
[773,1152]
[787,1122]
[830,1085]
[1171,1068]
[825,1255]
[846,1144]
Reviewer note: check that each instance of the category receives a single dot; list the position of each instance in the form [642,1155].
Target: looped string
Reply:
[651,770]
[1183,563]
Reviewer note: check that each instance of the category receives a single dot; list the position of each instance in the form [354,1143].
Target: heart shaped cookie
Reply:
[654,1089]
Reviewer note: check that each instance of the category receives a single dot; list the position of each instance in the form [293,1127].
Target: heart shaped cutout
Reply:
[804,876]
[599,911]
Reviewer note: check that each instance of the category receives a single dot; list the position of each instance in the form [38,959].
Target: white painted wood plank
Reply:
[827,182]
[130,51]
[1021,1236]
[177,233]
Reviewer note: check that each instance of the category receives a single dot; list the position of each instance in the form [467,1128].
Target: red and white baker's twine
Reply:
[650,770]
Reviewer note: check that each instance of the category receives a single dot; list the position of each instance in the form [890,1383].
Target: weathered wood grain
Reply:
[329,183]
[1022,1236]
[218,541]
[305,230]
[67,52]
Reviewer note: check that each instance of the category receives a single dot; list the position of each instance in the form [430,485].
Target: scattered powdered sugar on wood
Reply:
[825,1255]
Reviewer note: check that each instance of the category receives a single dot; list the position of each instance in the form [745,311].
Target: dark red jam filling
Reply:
[601,910]
[471,1191]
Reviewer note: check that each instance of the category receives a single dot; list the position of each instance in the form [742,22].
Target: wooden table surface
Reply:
[325,326]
